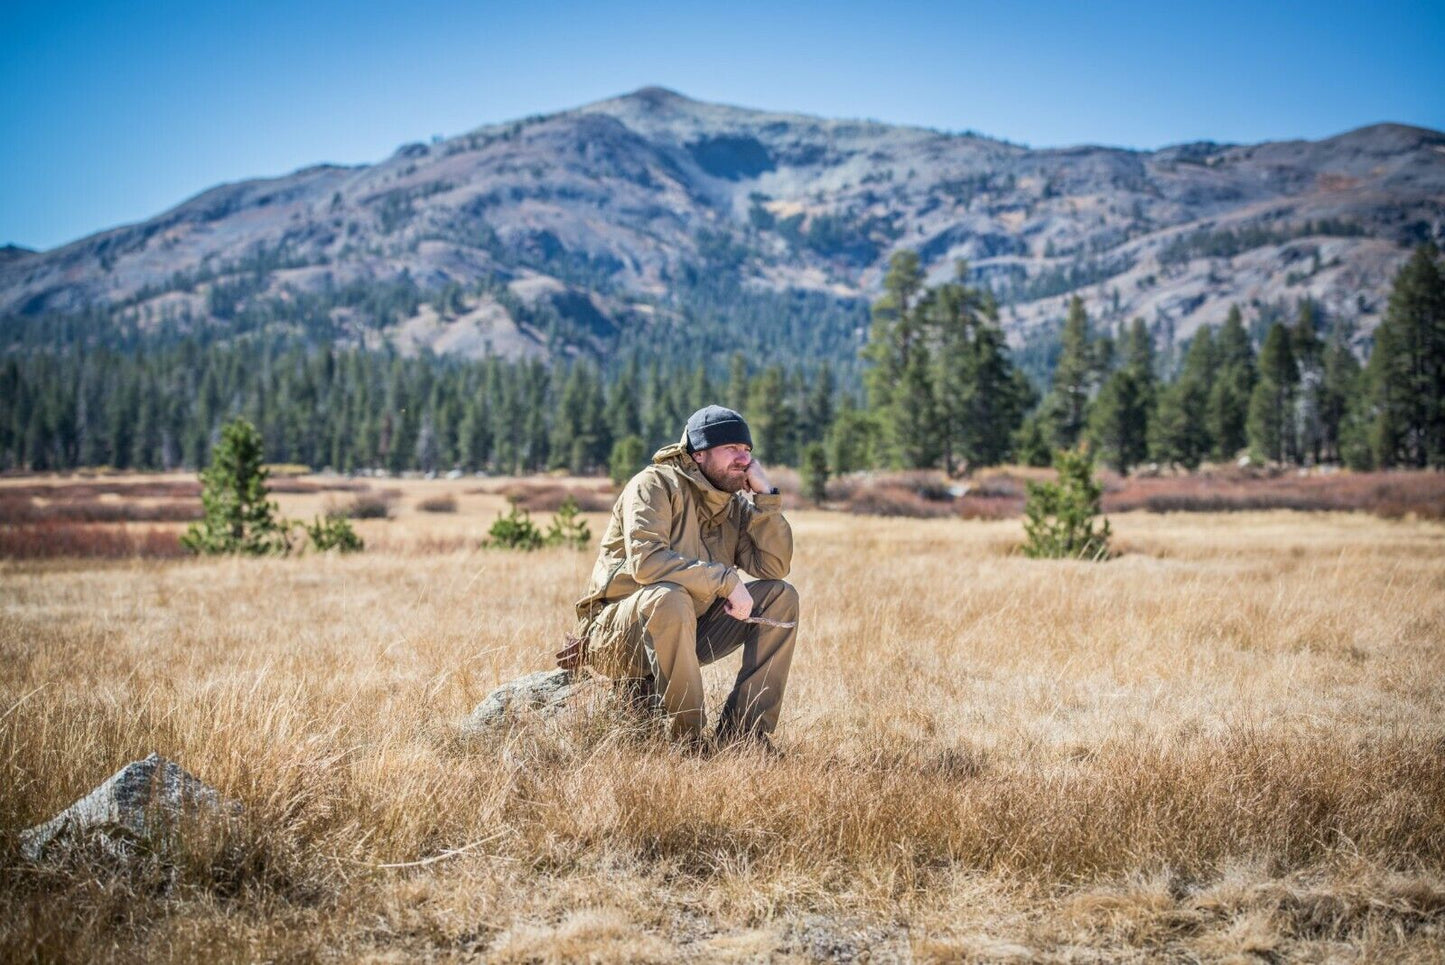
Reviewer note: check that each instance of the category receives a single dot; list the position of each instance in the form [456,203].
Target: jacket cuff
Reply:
[730,582]
[767,502]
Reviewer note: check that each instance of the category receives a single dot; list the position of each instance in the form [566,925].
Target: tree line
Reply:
[161,408]
[943,392]
[939,388]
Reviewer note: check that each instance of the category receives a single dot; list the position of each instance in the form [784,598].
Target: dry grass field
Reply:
[1227,744]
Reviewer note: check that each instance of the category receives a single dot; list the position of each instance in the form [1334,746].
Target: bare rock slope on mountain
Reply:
[592,216]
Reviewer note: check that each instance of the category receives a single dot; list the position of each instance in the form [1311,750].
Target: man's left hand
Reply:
[757,479]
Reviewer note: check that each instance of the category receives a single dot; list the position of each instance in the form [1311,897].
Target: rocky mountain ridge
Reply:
[595,215]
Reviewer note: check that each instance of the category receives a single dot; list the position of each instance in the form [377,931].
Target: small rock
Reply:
[544,693]
[824,939]
[138,800]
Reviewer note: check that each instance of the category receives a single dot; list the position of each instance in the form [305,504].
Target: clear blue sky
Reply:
[111,112]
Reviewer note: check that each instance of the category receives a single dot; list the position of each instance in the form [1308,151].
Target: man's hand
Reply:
[573,653]
[757,479]
[739,603]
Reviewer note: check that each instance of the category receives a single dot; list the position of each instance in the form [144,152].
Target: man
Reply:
[666,596]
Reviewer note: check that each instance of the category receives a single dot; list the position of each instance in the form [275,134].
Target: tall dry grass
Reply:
[1227,743]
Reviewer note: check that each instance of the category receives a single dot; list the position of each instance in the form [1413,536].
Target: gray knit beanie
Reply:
[714,425]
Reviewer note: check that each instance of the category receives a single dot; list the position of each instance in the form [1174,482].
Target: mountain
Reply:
[583,229]
[11,253]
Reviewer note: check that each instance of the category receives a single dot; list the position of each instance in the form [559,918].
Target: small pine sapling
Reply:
[334,533]
[1059,516]
[238,516]
[568,528]
[514,531]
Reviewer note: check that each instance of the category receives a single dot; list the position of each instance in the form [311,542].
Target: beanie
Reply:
[714,425]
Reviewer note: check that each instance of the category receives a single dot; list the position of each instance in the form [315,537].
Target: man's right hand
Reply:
[739,603]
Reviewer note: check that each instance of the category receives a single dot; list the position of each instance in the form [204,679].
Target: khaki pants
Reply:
[657,633]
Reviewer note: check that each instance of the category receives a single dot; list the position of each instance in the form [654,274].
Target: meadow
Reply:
[1225,744]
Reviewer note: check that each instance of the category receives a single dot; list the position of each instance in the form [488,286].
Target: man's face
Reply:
[726,467]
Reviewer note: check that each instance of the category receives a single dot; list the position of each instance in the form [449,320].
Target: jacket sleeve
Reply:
[647,538]
[765,544]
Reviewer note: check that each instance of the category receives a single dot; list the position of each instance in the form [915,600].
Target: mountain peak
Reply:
[655,97]
[613,201]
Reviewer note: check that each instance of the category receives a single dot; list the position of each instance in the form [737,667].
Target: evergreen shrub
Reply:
[238,518]
[567,529]
[1059,517]
[334,533]
[514,531]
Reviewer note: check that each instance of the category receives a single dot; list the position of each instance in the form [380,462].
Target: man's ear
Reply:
[696,457]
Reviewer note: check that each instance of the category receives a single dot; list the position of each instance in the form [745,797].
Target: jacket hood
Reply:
[675,458]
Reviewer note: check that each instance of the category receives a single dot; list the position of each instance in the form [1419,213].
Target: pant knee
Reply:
[668,601]
[777,598]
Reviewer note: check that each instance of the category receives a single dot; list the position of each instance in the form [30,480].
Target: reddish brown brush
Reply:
[23,509]
[546,497]
[87,490]
[288,484]
[365,505]
[1000,494]
[1386,494]
[893,500]
[56,539]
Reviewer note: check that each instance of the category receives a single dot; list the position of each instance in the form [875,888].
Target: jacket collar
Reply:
[713,503]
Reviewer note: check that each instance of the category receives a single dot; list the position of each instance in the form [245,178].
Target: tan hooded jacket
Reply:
[671,525]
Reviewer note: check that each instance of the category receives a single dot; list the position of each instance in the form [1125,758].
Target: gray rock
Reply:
[545,693]
[821,938]
[139,800]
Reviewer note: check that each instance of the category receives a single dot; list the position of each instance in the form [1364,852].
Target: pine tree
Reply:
[1031,446]
[628,456]
[238,516]
[1228,403]
[1271,404]
[1066,407]
[427,448]
[900,379]
[854,441]
[534,422]
[473,435]
[1309,359]
[771,417]
[1179,432]
[567,423]
[1119,422]
[979,398]
[912,424]
[622,402]
[738,382]
[818,404]
[999,397]
[1339,387]
[815,472]
[1406,371]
